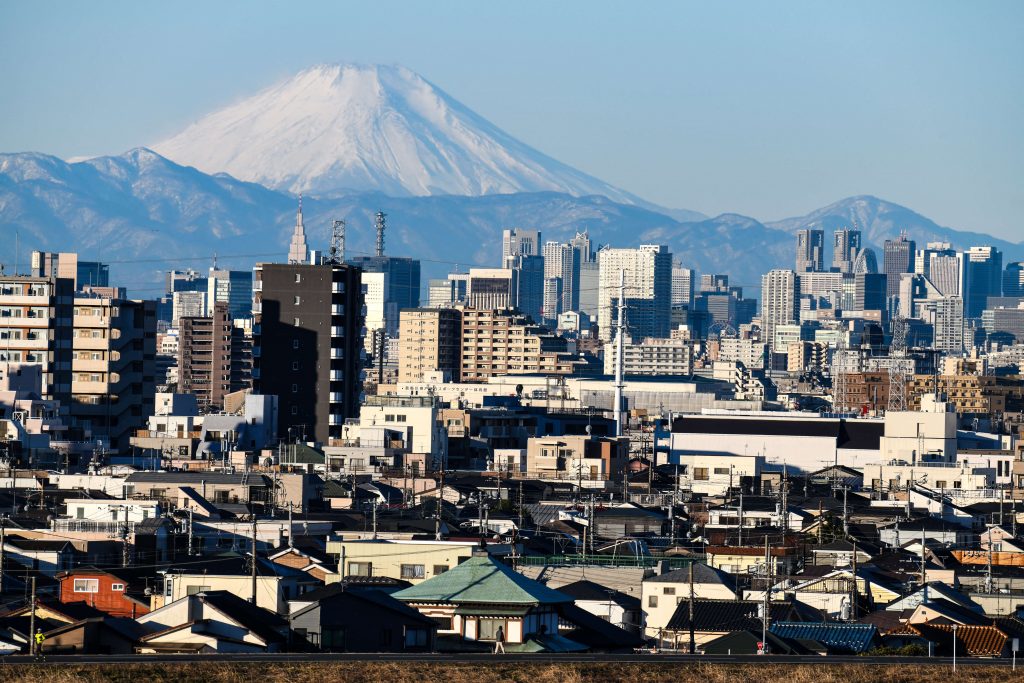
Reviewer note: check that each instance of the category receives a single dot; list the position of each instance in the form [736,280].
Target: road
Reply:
[450,658]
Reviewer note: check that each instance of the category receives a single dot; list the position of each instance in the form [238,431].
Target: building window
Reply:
[295,344]
[298,300]
[295,365]
[413,571]
[298,322]
[416,637]
[195,590]
[295,410]
[700,473]
[87,585]
[298,278]
[117,586]
[440,569]
[360,569]
[295,388]
[669,591]
[721,470]
[652,601]
[489,629]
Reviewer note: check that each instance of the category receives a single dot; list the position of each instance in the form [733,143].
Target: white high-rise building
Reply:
[562,261]
[949,324]
[298,252]
[778,301]
[648,276]
[682,286]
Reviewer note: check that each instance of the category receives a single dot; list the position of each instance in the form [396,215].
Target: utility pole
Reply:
[253,598]
[125,559]
[3,540]
[437,515]
[846,519]
[854,588]
[739,540]
[32,621]
[693,636]
[190,534]
[291,533]
[767,592]
[619,360]
[520,505]
[375,519]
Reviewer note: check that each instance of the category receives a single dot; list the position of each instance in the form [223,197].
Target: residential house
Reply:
[363,619]
[119,593]
[476,598]
[661,594]
[212,622]
[609,604]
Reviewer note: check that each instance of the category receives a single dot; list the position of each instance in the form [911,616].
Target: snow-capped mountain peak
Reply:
[344,127]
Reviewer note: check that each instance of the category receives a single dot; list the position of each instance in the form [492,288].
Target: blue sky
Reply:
[766,109]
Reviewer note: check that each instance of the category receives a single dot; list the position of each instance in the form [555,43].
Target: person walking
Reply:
[499,640]
[39,638]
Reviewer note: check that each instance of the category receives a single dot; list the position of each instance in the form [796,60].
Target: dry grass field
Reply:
[499,672]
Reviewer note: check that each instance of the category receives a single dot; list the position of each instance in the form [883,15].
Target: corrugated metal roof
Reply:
[837,636]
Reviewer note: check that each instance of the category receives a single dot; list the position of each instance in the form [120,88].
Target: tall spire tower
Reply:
[298,252]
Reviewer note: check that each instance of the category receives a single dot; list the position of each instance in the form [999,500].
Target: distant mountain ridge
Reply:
[145,214]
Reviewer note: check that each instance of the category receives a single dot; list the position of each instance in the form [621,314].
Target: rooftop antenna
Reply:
[337,251]
[381,223]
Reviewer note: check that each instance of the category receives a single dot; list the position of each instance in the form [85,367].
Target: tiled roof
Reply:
[726,615]
[837,636]
[588,590]
[976,640]
[482,579]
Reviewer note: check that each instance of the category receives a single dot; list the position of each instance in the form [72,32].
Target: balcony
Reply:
[338,287]
[337,353]
[336,419]
[338,332]
[338,309]
[337,375]
[336,397]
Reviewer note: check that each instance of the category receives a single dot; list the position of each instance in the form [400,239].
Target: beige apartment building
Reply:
[113,365]
[429,340]
[574,458]
[967,393]
[505,343]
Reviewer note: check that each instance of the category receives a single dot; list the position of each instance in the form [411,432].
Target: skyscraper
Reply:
[528,295]
[298,252]
[810,250]
[516,241]
[949,324]
[944,267]
[984,278]
[648,276]
[778,302]
[1013,279]
[232,287]
[682,286]
[562,261]
[845,246]
[897,258]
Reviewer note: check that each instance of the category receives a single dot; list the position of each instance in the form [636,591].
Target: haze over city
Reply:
[577,341]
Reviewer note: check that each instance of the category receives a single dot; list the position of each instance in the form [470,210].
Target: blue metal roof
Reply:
[837,636]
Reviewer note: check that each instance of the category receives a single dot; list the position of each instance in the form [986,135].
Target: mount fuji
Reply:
[343,128]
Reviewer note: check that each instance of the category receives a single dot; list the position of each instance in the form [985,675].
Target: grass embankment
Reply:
[498,672]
